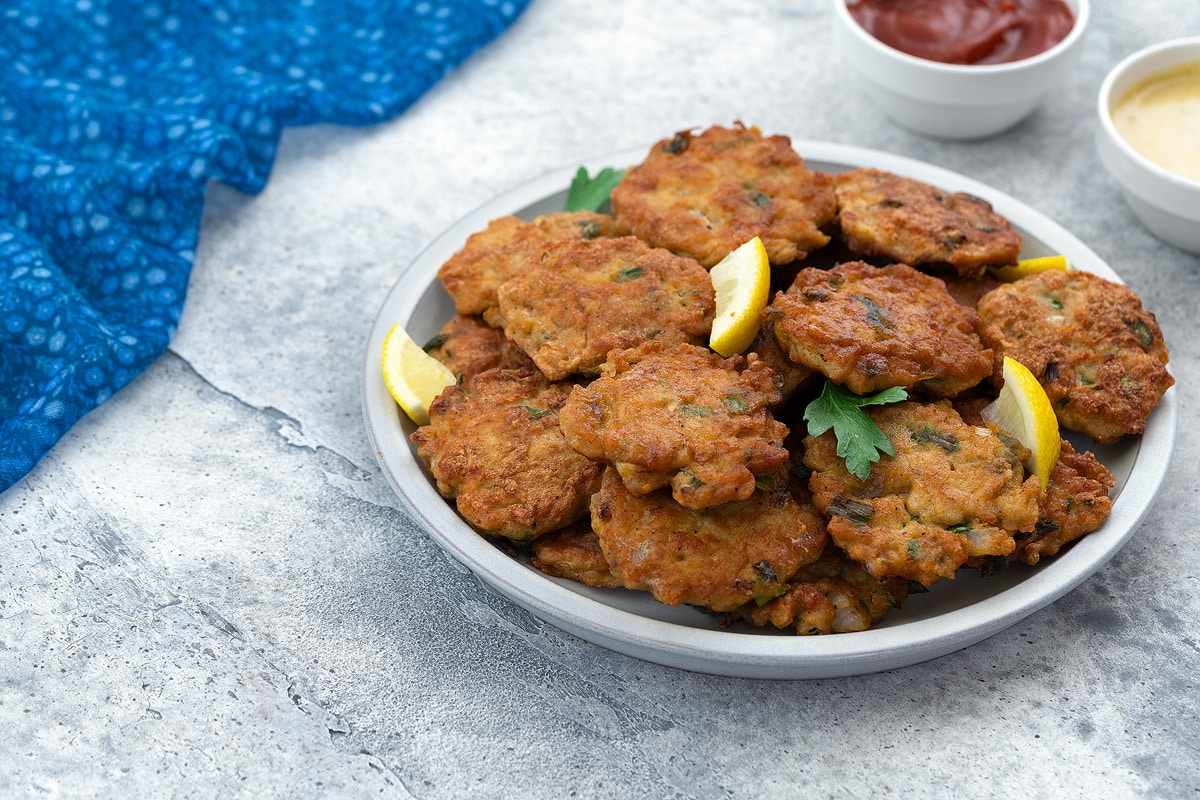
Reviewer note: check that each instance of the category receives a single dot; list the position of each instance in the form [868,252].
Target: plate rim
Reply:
[732,653]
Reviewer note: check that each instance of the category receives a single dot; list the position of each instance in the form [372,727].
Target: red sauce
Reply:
[966,31]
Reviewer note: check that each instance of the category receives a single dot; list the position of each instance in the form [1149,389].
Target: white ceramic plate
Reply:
[953,615]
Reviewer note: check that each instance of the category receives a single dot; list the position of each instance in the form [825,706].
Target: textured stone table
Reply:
[208,589]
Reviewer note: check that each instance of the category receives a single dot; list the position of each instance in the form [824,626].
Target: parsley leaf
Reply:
[859,439]
[588,194]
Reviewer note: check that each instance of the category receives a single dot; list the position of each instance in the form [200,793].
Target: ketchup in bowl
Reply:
[966,31]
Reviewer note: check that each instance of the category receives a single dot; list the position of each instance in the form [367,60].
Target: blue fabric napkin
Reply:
[114,114]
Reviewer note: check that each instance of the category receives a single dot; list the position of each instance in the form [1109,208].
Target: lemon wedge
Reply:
[413,377]
[1029,266]
[1023,410]
[742,284]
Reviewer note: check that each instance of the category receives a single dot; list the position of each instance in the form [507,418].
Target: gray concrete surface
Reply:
[209,590]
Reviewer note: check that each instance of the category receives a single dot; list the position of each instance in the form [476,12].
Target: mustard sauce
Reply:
[1160,118]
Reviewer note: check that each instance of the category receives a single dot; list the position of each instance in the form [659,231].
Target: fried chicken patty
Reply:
[574,553]
[871,328]
[833,594]
[915,223]
[494,446]
[1075,503]
[952,492]
[789,375]
[468,346]
[1097,352]
[585,298]
[970,290]
[705,194]
[719,558]
[684,417]
[505,248]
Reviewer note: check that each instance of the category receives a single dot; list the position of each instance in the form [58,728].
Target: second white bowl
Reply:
[955,101]
[1166,203]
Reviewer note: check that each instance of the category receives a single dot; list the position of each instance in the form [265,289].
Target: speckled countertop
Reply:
[208,589]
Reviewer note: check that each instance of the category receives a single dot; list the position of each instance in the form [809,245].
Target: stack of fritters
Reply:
[593,430]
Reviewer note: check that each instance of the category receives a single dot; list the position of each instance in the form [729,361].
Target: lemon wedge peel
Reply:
[1029,266]
[742,284]
[1024,411]
[413,377]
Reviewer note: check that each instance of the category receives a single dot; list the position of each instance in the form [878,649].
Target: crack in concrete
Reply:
[340,732]
[273,413]
[291,431]
[341,735]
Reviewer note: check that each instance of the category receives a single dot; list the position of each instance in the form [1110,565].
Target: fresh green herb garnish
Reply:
[859,439]
[588,194]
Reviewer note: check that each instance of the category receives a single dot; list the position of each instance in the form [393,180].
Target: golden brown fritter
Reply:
[1075,504]
[910,221]
[586,298]
[834,594]
[870,328]
[494,446]
[789,375]
[969,291]
[504,249]
[1097,352]
[970,404]
[573,552]
[469,346]
[706,194]
[719,558]
[684,418]
[953,492]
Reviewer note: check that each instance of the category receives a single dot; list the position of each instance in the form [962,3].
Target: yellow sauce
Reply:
[1160,118]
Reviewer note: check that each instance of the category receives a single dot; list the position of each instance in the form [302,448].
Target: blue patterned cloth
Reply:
[114,114]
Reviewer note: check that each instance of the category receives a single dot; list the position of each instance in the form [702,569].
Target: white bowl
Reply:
[1167,203]
[955,101]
